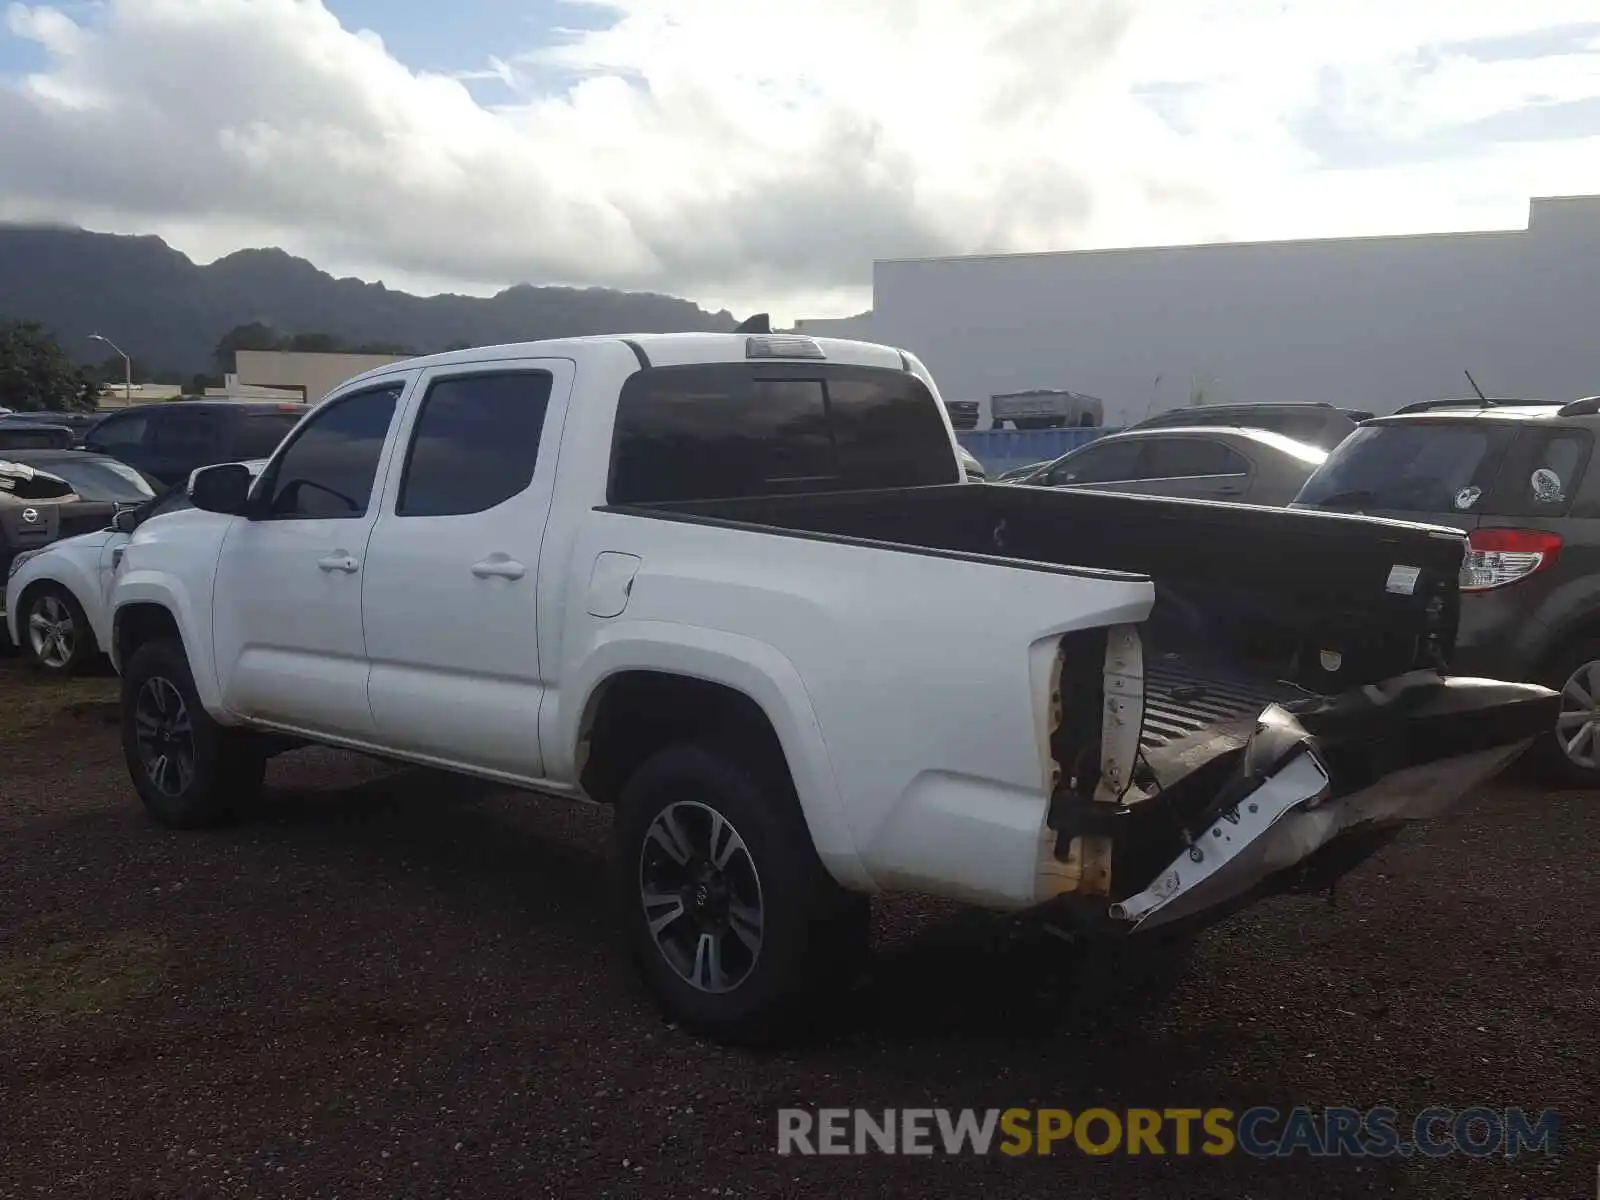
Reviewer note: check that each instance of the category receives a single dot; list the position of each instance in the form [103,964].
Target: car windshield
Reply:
[103,480]
[1425,467]
[21,482]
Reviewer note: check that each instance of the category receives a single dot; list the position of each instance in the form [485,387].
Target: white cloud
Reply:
[747,152]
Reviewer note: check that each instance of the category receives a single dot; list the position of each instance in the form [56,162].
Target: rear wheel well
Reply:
[637,713]
[137,624]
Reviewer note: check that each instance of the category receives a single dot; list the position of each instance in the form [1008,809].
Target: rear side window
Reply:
[474,444]
[1542,472]
[1182,457]
[724,430]
[1423,467]
[1108,462]
[256,435]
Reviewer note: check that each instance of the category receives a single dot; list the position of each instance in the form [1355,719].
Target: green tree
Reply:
[398,348]
[110,371]
[316,343]
[36,373]
[254,336]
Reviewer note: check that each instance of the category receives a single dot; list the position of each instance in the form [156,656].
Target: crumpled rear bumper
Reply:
[1321,787]
[1288,821]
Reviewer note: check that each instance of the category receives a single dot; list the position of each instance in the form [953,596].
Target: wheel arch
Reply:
[50,582]
[639,694]
[144,611]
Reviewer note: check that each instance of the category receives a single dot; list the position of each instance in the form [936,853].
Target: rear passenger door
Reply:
[1196,467]
[449,599]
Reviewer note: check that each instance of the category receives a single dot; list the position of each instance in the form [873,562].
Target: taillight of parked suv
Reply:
[1498,557]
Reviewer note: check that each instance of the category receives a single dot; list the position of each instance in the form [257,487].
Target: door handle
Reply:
[339,562]
[498,566]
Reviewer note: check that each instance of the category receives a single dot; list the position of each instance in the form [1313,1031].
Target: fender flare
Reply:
[753,668]
[146,587]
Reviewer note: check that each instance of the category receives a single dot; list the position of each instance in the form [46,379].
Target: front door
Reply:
[450,592]
[286,610]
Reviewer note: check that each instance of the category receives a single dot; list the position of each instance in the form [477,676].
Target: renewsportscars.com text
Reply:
[1478,1132]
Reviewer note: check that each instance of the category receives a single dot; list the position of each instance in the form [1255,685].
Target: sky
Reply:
[758,154]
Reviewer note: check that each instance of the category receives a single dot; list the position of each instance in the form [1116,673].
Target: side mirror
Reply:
[221,489]
[126,520]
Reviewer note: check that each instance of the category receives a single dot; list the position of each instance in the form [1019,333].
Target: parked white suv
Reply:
[726,584]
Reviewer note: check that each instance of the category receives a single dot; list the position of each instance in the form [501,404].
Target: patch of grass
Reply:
[30,700]
[76,978]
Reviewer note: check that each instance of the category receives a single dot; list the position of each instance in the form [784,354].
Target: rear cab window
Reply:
[728,430]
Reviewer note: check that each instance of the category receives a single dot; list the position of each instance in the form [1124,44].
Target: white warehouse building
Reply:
[1368,323]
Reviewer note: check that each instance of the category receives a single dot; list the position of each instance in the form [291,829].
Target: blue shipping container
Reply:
[1002,449]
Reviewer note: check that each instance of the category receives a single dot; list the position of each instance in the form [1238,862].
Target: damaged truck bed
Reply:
[1283,711]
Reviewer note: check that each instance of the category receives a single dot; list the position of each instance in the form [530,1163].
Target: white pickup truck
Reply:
[736,587]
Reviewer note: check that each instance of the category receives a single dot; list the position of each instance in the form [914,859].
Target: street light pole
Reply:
[127,367]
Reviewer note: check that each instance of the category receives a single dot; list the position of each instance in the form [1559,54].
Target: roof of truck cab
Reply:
[658,350]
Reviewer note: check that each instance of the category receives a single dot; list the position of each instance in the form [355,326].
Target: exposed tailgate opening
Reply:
[1282,710]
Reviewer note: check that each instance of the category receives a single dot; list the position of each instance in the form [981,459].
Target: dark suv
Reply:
[1516,476]
[169,440]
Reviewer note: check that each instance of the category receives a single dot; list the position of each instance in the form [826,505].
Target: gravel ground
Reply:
[391,984]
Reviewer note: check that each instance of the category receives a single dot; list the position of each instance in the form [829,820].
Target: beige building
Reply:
[115,395]
[232,389]
[1369,323]
[308,377]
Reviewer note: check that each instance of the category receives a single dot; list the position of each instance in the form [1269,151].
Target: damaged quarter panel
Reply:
[937,753]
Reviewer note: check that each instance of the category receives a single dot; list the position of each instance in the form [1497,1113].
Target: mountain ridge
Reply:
[169,312]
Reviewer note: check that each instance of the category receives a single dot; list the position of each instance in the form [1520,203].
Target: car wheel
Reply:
[55,631]
[189,771]
[1570,755]
[729,915]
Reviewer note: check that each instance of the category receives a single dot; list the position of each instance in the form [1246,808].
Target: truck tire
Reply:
[189,771]
[55,631]
[729,916]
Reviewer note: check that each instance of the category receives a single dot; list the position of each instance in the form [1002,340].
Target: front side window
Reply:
[120,433]
[327,471]
[1108,462]
[474,444]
